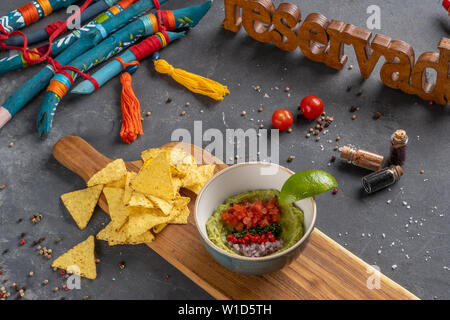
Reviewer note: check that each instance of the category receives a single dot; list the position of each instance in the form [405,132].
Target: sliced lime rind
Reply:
[306,184]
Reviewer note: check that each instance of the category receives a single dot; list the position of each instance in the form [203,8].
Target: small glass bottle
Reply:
[362,158]
[382,179]
[399,142]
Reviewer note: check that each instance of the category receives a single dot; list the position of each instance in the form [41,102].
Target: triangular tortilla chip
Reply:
[181,211]
[177,184]
[128,190]
[178,215]
[118,183]
[165,206]
[196,178]
[120,237]
[174,155]
[80,258]
[140,222]
[155,179]
[110,234]
[112,172]
[159,227]
[179,161]
[139,200]
[81,204]
[117,210]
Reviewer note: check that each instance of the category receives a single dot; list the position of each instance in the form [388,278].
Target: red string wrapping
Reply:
[54,26]
[146,47]
[57,67]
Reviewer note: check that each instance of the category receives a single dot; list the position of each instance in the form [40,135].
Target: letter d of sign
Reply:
[257,19]
[438,92]
[396,72]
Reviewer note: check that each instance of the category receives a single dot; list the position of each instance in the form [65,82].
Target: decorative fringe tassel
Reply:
[131,111]
[193,82]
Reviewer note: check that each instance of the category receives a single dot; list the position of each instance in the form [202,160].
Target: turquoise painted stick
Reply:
[20,98]
[42,35]
[17,61]
[124,38]
[15,20]
[114,68]
[52,99]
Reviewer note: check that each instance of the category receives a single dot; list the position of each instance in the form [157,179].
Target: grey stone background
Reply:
[416,238]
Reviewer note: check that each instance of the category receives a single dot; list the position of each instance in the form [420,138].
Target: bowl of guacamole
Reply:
[243,225]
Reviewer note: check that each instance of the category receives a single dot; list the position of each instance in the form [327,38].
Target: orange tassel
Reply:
[131,111]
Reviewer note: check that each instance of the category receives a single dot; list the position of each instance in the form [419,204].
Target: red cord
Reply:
[58,29]
[53,27]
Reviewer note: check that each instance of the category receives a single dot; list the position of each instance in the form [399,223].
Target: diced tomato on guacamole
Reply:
[249,215]
[254,224]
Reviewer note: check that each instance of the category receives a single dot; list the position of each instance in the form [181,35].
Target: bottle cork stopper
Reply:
[347,153]
[400,136]
[399,170]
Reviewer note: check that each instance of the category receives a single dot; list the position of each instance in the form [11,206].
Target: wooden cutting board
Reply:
[325,270]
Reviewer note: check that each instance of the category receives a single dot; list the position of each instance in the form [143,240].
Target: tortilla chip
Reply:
[155,179]
[139,200]
[81,204]
[120,237]
[140,222]
[117,210]
[159,227]
[110,234]
[81,257]
[118,183]
[112,172]
[128,190]
[196,178]
[182,218]
[174,155]
[179,161]
[165,206]
[181,211]
[177,184]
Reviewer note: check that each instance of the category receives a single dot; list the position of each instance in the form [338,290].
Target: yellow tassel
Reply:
[193,82]
[131,111]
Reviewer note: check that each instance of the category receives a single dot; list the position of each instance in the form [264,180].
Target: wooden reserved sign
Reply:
[323,41]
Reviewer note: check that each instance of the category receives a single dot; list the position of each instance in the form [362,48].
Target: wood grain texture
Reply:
[325,270]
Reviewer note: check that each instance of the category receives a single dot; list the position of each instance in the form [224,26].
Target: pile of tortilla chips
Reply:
[140,204]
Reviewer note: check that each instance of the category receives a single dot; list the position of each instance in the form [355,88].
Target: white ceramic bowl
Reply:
[242,178]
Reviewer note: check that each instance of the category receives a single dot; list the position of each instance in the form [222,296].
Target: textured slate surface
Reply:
[419,249]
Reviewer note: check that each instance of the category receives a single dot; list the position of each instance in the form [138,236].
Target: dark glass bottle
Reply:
[399,142]
[382,179]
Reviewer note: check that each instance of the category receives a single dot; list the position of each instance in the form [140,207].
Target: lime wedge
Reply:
[306,184]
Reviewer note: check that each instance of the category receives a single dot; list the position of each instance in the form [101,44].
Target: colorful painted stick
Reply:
[17,61]
[33,86]
[147,25]
[42,35]
[32,12]
[114,68]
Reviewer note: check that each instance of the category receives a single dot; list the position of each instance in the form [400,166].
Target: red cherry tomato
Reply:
[282,119]
[311,107]
[446,4]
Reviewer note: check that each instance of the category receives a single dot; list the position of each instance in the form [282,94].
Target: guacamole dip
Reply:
[254,224]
